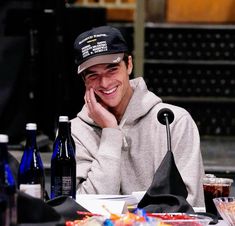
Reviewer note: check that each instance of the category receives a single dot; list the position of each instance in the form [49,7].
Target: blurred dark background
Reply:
[38,77]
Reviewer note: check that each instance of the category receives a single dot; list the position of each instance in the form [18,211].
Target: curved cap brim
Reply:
[101,59]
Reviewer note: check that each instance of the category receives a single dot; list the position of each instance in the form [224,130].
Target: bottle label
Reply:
[66,185]
[32,189]
[63,185]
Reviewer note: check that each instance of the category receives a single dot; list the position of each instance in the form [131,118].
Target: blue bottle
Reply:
[8,193]
[63,163]
[31,176]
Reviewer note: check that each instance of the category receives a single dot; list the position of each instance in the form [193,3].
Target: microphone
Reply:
[165,116]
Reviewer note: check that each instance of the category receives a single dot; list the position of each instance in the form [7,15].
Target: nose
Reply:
[104,81]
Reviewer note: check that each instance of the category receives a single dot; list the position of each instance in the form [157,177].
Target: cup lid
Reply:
[217,180]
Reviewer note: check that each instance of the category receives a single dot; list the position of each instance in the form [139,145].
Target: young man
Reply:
[119,141]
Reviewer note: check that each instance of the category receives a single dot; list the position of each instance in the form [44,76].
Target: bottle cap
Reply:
[4,138]
[63,119]
[31,126]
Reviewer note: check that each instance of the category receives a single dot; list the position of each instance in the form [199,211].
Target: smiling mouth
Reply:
[110,91]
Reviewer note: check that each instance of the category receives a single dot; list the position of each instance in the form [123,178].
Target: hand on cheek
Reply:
[97,112]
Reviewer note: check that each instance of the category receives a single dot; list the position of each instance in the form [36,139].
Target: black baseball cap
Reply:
[100,45]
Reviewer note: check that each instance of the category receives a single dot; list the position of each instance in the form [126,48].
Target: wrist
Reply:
[111,125]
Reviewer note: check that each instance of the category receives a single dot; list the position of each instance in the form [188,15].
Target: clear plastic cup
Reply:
[213,188]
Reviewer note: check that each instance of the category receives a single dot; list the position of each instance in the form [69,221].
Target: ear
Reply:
[130,65]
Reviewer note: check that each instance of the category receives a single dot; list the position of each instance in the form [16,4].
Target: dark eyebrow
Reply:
[112,65]
[89,71]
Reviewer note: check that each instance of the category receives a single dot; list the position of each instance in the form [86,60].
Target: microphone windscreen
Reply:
[163,113]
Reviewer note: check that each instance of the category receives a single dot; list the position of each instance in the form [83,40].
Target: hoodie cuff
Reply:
[111,142]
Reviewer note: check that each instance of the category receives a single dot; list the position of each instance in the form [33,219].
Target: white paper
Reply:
[102,206]
[31,189]
[117,204]
[199,209]
[138,195]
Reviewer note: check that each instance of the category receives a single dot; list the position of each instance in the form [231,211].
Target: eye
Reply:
[91,77]
[113,69]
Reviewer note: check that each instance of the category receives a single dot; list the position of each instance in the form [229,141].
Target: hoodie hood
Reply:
[141,102]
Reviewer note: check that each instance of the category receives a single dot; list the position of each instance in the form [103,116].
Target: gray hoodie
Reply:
[123,160]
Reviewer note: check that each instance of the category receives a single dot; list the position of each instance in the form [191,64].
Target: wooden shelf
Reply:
[200,11]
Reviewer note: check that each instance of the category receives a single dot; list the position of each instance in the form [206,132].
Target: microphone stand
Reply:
[168,134]
[166,117]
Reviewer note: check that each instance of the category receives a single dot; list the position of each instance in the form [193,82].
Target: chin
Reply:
[110,105]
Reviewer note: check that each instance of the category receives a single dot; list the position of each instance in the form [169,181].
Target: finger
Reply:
[92,97]
[86,97]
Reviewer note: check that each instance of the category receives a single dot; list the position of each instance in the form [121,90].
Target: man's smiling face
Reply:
[110,83]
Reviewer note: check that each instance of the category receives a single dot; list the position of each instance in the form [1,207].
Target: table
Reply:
[46,160]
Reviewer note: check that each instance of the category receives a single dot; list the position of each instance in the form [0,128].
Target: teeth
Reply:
[109,91]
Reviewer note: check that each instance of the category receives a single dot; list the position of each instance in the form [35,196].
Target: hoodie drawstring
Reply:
[125,144]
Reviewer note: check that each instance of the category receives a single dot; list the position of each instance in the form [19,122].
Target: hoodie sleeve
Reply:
[99,172]
[186,143]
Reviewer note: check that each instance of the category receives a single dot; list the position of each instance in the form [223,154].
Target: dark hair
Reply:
[125,58]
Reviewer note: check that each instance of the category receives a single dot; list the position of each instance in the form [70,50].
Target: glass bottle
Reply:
[31,177]
[63,163]
[7,186]
[72,140]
